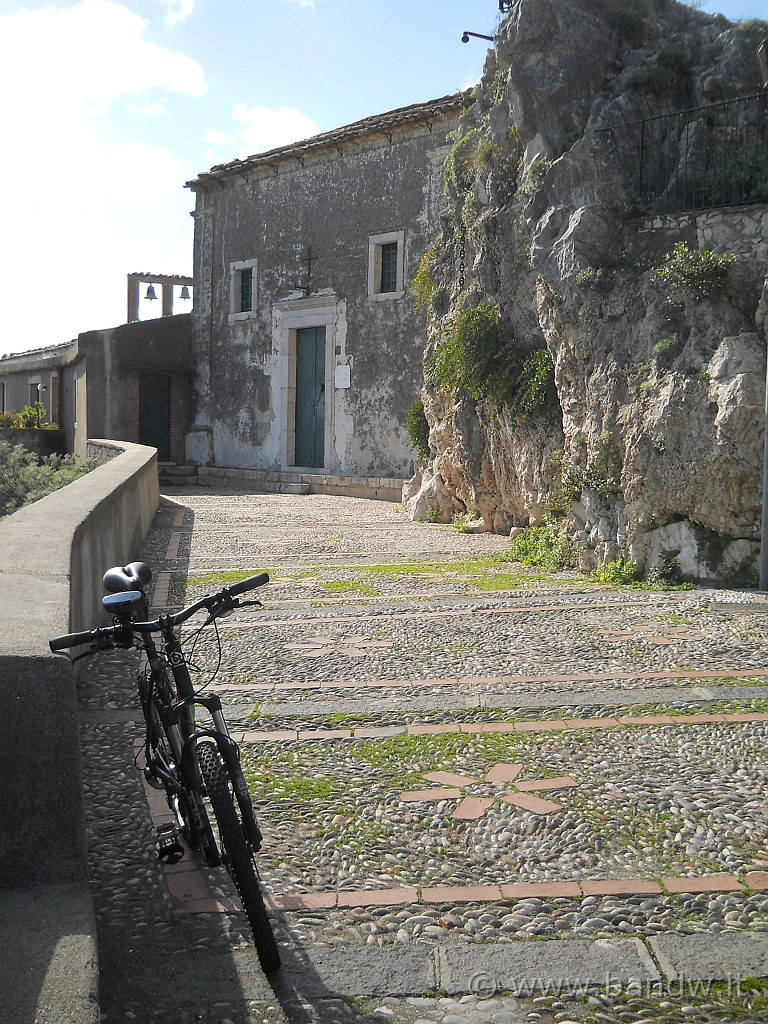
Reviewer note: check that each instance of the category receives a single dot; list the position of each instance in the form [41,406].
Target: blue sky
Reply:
[109,107]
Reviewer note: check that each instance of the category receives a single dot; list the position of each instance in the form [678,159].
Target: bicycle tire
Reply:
[239,857]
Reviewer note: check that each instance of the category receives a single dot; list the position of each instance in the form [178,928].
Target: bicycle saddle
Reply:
[133,576]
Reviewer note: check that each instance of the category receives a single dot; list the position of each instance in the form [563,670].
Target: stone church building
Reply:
[306,347]
[303,350]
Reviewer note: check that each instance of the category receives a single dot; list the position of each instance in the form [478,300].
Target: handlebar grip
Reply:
[248,584]
[59,643]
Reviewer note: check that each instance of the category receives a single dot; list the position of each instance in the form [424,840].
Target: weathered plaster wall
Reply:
[21,371]
[98,393]
[17,393]
[329,207]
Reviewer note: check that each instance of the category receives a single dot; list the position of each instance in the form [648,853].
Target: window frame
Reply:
[236,270]
[375,247]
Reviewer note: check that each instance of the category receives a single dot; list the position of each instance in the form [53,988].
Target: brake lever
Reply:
[225,608]
[220,611]
[96,648]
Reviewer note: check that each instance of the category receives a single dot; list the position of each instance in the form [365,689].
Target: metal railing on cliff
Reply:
[696,159]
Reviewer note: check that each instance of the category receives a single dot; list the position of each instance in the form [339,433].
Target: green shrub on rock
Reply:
[417,428]
[545,545]
[700,272]
[481,355]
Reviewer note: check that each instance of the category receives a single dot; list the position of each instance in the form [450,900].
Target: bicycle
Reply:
[193,765]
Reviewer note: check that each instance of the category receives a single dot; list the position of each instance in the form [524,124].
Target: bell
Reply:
[184,294]
[150,293]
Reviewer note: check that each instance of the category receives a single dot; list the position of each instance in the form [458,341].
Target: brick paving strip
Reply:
[191,893]
[441,613]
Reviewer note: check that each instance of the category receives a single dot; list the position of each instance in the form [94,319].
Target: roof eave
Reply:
[377,125]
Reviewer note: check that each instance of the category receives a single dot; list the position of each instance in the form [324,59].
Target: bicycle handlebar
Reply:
[122,633]
[250,583]
[107,633]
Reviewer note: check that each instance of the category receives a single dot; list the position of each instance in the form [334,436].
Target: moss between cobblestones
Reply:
[472,575]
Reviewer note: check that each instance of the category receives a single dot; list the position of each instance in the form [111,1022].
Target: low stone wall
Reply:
[54,553]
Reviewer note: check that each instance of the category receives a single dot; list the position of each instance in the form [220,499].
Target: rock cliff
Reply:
[626,259]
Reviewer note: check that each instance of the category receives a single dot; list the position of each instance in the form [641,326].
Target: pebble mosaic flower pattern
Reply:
[351,647]
[470,808]
[662,636]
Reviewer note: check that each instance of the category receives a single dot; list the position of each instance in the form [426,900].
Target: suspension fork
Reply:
[186,691]
[231,758]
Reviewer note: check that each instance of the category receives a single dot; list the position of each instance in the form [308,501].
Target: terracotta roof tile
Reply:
[376,125]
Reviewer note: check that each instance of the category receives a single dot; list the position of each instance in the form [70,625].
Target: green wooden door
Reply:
[155,413]
[310,396]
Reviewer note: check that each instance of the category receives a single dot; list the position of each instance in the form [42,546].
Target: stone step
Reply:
[290,482]
[170,473]
[282,487]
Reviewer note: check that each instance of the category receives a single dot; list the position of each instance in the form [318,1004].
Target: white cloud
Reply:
[158,107]
[221,147]
[87,56]
[309,5]
[178,10]
[267,129]
[89,204]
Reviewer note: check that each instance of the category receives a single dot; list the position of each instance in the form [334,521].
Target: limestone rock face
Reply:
[660,390]
[426,496]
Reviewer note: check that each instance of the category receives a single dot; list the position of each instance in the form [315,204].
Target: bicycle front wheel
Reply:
[238,854]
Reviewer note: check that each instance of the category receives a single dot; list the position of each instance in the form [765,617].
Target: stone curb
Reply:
[545,725]
[541,680]
[567,968]
[562,967]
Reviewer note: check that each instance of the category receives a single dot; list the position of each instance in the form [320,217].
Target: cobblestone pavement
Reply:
[452,757]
